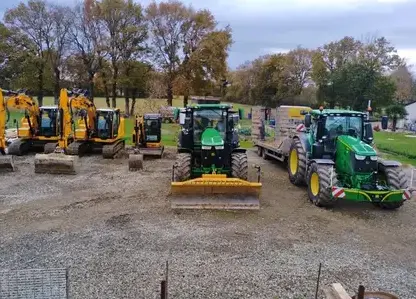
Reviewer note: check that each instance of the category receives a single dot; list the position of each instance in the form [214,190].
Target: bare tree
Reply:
[33,23]
[57,43]
[86,35]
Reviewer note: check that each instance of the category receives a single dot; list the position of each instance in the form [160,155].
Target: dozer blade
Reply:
[6,163]
[215,191]
[55,163]
[135,162]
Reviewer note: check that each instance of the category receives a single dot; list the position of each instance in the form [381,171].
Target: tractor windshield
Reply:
[209,118]
[343,125]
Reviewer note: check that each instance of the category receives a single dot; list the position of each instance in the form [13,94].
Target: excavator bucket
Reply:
[55,163]
[6,163]
[215,191]
[152,151]
[135,162]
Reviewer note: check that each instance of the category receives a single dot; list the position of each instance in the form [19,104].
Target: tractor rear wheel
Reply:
[239,166]
[183,167]
[396,179]
[319,184]
[296,164]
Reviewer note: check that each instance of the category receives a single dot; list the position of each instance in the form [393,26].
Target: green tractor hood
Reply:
[357,146]
[211,137]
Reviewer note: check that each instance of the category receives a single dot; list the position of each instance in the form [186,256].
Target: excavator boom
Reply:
[57,162]
[6,161]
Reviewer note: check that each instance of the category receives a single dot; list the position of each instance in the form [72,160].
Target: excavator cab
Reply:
[152,128]
[48,120]
[147,137]
[108,122]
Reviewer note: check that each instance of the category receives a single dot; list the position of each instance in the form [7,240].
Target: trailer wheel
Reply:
[264,154]
[183,167]
[319,185]
[259,151]
[296,165]
[239,166]
[396,179]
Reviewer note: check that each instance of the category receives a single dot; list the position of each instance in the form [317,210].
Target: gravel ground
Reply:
[115,231]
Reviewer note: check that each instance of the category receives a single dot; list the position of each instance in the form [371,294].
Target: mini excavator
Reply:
[96,129]
[39,126]
[147,137]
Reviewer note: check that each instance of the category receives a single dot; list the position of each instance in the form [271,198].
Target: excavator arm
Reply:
[138,134]
[6,161]
[3,120]
[30,123]
[80,102]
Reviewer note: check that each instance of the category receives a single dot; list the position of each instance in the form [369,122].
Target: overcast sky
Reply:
[269,26]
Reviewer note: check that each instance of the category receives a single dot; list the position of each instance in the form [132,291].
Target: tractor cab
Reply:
[107,123]
[152,127]
[48,121]
[207,131]
[328,127]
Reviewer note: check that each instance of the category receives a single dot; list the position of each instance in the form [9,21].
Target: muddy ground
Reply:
[114,230]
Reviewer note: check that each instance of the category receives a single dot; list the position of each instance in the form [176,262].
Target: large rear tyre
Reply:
[239,166]
[319,185]
[183,167]
[296,165]
[396,179]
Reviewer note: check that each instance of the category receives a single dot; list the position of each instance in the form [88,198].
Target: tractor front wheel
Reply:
[239,166]
[183,167]
[296,164]
[319,184]
[396,179]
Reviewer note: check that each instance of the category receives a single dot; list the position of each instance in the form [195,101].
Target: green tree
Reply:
[404,84]
[396,112]
[126,30]
[186,43]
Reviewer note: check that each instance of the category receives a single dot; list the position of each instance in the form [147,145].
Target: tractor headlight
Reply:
[221,147]
[373,158]
[204,147]
[359,157]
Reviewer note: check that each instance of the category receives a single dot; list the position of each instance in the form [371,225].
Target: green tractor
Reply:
[210,162]
[334,157]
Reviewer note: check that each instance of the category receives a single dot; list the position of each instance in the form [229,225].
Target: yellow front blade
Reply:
[216,191]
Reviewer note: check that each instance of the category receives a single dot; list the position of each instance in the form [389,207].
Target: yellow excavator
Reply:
[147,137]
[38,127]
[96,129]
[6,161]
[54,160]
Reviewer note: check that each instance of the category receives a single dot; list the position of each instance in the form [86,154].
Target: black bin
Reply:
[384,122]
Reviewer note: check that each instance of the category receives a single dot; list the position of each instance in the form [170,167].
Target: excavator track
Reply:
[18,147]
[109,150]
[77,148]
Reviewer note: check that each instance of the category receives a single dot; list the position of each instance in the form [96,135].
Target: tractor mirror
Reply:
[368,136]
[308,120]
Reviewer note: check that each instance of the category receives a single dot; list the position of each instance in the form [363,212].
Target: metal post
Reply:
[361,291]
[258,173]
[317,282]
[173,173]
